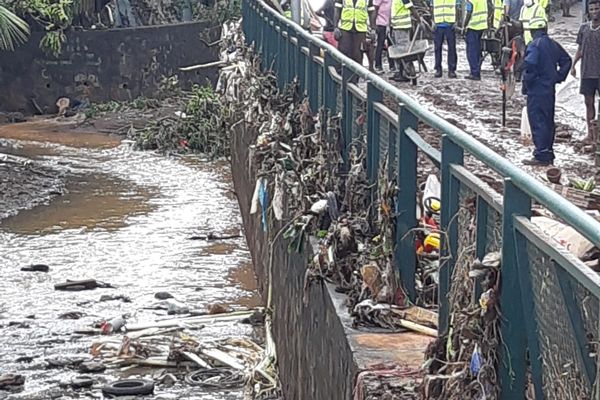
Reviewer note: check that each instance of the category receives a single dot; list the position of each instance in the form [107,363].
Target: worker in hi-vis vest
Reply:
[499,13]
[353,21]
[401,23]
[444,19]
[531,13]
[477,22]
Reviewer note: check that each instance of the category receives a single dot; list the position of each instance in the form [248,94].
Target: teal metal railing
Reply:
[550,300]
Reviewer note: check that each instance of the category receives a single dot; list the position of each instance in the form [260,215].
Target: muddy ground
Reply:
[476,107]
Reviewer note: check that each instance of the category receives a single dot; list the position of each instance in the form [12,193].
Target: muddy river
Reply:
[126,219]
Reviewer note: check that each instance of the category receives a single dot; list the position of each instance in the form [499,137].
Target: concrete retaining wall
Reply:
[319,353]
[114,64]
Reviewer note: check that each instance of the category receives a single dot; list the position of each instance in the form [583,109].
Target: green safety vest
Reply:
[354,15]
[529,15]
[401,14]
[444,11]
[498,12]
[479,17]
[288,14]
[543,3]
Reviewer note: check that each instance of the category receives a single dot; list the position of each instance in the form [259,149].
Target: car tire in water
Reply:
[128,387]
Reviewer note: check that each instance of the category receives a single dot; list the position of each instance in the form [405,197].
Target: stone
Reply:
[91,367]
[81,381]
[163,295]
[36,268]
[9,379]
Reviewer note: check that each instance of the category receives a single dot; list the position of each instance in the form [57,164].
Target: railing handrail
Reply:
[564,209]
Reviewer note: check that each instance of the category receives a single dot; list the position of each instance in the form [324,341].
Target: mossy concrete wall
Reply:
[113,64]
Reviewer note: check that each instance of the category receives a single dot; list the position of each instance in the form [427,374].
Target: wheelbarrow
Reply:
[408,56]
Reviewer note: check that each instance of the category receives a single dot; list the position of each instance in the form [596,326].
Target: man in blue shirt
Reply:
[542,57]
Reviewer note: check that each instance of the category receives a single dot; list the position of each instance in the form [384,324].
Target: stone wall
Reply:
[117,64]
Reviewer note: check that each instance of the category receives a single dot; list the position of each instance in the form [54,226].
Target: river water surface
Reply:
[125,220]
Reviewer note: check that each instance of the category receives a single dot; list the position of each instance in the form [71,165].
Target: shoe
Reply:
[400,78]
[452,75]
[438,74]
[378,70]
[473,78]
[537,163]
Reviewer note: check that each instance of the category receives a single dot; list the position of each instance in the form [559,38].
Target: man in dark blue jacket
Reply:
[542,57]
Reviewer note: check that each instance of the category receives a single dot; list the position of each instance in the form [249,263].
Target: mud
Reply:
[477,106]
[124,218]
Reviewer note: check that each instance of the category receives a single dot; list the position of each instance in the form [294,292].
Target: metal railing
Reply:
[549,298]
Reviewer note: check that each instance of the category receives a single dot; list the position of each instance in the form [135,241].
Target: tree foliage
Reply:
[13,30]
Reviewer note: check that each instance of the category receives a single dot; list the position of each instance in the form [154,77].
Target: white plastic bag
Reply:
[525,127]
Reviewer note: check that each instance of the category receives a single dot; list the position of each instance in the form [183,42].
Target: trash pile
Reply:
[326,207]
[463,364]
[174,347]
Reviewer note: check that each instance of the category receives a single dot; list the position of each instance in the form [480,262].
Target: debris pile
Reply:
[174,345]
[463,363]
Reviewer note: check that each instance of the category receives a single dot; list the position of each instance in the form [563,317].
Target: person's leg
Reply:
[381,32]
[476,71]
[588,89]
[438,40]
[451,40]
[539,113]
[469,41]
[357,45]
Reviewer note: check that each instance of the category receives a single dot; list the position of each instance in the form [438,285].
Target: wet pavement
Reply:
[125,220]
[477,106]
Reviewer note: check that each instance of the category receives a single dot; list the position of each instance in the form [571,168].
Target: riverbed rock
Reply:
[36,268]
[72,315]
[82,381]
[11,380]
[163,295]
[91,367]
[108,297]
[218,308]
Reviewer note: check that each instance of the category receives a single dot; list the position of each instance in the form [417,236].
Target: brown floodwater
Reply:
[126,220]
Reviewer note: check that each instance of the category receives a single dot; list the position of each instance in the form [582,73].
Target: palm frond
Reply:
[13,30]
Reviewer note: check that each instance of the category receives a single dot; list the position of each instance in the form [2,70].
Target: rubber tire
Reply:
[127,387]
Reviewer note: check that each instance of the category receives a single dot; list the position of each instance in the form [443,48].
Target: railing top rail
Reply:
[563,208]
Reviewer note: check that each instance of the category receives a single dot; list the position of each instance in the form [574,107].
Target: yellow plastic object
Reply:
[435,206]
[432,241]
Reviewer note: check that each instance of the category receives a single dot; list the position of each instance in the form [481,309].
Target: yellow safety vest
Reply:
[288,14]
[498,12]
[401,14]
[543,3]
[529,15]
[444,11]
[479,17]
[354,15]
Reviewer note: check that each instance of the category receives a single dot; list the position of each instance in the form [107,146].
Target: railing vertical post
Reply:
[406,204]
[312,78]
[481,226]
[301,65]
[451,154]
[513,366]
[374,95]
[531,325]
[293,57]
[392,150]
[281,67]
[329,92]
[346,116]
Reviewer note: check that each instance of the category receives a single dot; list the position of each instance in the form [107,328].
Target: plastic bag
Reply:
[525,127]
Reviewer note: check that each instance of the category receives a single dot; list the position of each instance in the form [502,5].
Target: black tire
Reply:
[128,387]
